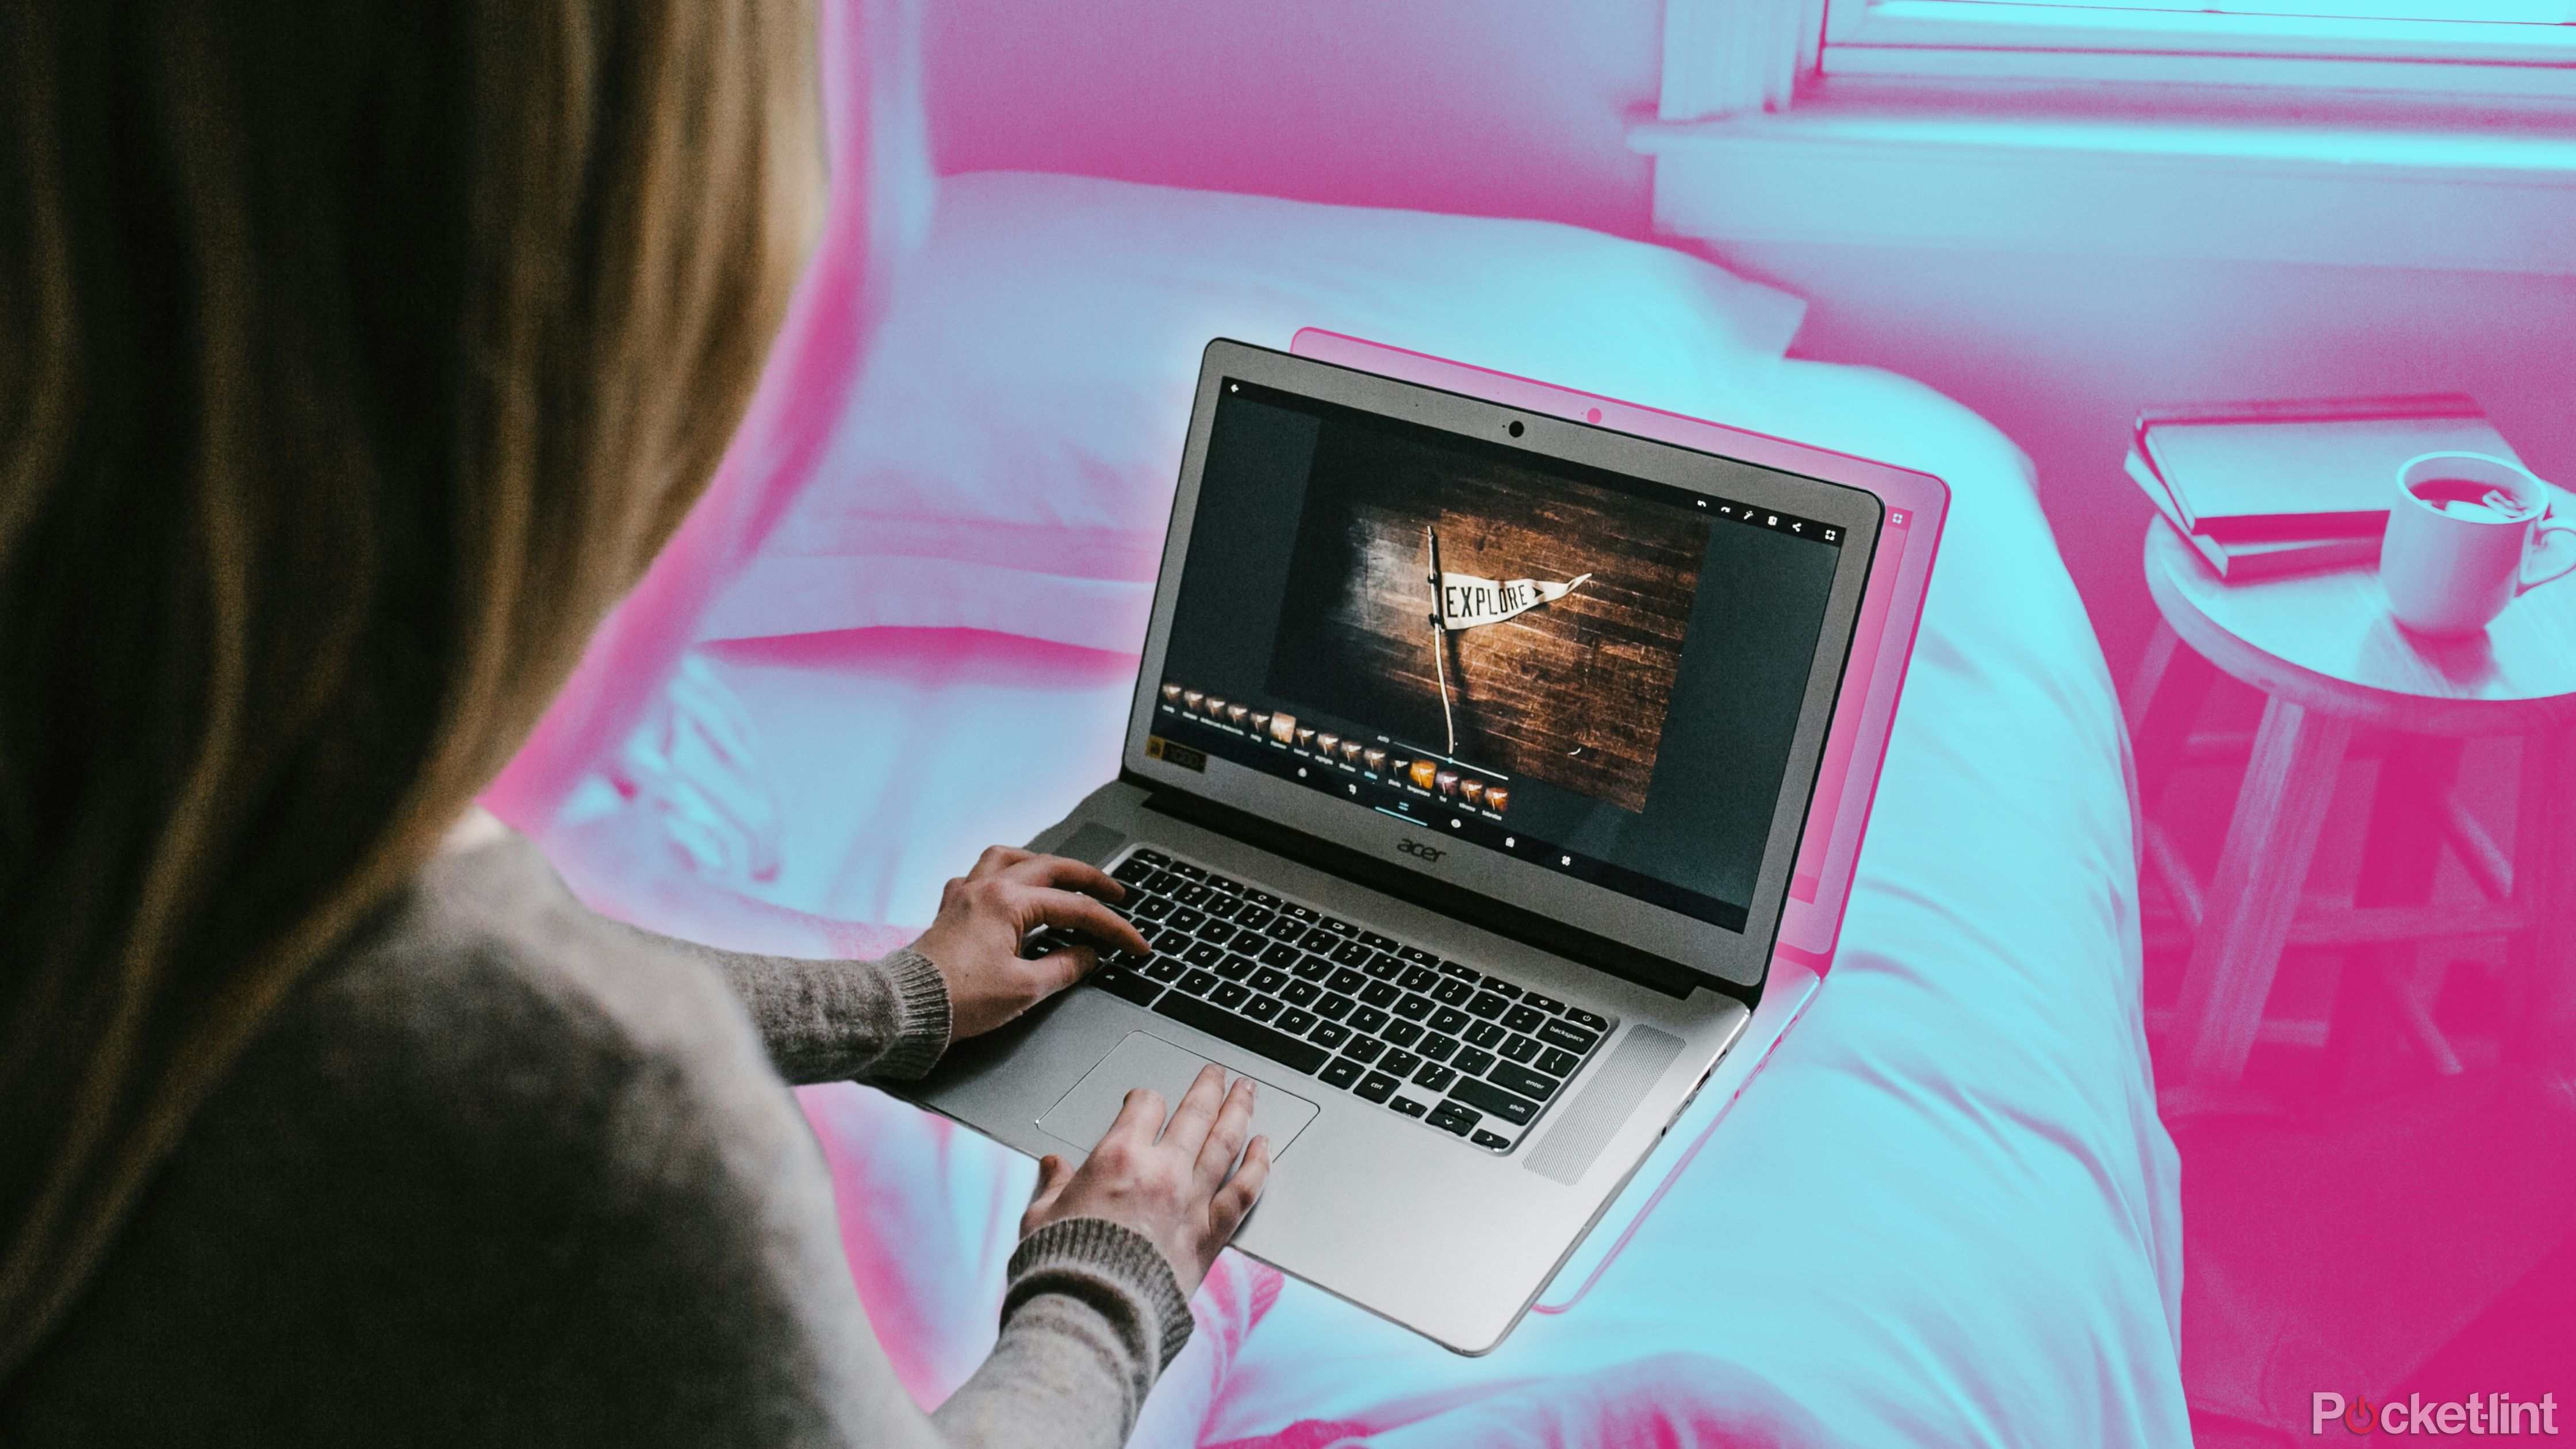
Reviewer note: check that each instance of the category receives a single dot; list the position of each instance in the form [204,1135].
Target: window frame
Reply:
[2475,63]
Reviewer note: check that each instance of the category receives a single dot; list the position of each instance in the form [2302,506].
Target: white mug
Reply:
[2460,541]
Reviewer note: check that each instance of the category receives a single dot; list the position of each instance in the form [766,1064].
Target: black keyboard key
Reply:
[1339,928]
[1487,1097]
[1580,1017]
[1557,1063]
[1223,907]
[1334,1006]
[1413,1008]
[1376,942]
[1194,893]
[1135,870]
[1417,954]
[1165,968]
[1487,1005]
[1399,1063]
[1520,1049]
[1451,1020]
[1161,882]
[1231,995]
[1149,853]
[1375,1087]
[1217,932]
[1184,868]
[1251,1036]
[1454,1117]
[1296,1022]
[1351,953]
[1318,939]
[1408,1106]
[1522,1080]
[1261,898]
[1437,1047]
[1233,968]
[1492,1141]
[1340,1072]
[1364,1049]
[1419,978]
[1500,987]
[1295,912]
[1547,1004]
[1435,1077]
[1462,971]
[1254,918]
[1314,968]
[1329,1034]
[1200,983]
[1204,954]
[1402,1033]
[1567,1035]
[1452,991]
[1153,910]
[1186,919]
[1472,1062]
[1269,978]
[1485,1034]
[1384,967]
[1524,1018]
[1127,984]
[1286,928]
[1282,955]
[1369,1018]
[1230,887]
[1346,981]
[1302,993]
[1262,1008]
[1381,993]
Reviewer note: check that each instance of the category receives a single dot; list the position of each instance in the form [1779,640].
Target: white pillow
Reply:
[1007,457]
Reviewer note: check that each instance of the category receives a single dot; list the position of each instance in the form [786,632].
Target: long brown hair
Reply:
[354,358]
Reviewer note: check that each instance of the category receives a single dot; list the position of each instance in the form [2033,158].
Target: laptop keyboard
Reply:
[1442,1042]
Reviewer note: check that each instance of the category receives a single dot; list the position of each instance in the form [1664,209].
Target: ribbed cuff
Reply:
[921,1020]
[1084,1256]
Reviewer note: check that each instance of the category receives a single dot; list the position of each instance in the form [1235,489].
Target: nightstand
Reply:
[2334,667]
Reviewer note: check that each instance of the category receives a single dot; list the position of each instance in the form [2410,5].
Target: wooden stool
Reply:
[2330,661]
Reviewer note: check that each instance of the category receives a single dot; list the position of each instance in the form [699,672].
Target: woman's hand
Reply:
[1177,1183]
[985,913]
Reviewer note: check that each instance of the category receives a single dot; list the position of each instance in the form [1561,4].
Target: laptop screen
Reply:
[1597,674]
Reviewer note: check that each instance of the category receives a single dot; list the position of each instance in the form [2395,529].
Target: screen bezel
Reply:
[1699,946]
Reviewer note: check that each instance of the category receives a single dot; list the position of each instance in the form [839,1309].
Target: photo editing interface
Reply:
[1592,672]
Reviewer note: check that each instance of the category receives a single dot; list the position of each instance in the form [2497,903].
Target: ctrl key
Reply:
[1375,1087]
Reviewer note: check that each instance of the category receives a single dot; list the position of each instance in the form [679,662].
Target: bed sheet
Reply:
[1944,1212]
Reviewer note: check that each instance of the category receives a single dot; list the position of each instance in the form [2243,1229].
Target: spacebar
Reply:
[1252,1036]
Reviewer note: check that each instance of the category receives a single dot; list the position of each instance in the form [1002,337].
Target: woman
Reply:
[360,356]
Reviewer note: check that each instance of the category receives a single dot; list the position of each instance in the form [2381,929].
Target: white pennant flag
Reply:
[1467,601]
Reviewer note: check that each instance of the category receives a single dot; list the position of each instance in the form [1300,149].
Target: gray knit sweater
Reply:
[507,1173]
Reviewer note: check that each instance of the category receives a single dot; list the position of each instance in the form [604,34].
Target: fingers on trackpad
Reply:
[1144,1060]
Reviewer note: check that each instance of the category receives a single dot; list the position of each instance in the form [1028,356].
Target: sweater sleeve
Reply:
[835,1021]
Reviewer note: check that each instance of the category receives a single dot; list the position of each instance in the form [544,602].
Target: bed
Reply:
[1944,1211]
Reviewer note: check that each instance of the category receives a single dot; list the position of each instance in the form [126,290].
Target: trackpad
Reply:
[1143,1060]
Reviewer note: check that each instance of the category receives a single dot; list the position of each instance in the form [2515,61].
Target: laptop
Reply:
[1475,777]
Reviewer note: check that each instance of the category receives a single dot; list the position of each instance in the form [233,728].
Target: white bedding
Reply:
[1944,1212]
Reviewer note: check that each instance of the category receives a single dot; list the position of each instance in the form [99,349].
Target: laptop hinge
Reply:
[1466,907]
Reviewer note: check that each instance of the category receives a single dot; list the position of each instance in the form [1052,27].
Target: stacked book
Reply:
[2270,488]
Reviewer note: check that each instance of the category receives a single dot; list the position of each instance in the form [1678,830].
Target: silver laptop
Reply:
[1467,762]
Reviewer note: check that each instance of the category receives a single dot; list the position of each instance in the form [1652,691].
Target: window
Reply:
[2479,50]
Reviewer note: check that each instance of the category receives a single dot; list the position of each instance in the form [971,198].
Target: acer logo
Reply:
[1428,854]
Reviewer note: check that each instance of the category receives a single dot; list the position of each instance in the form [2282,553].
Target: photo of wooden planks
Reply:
[1573,692]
